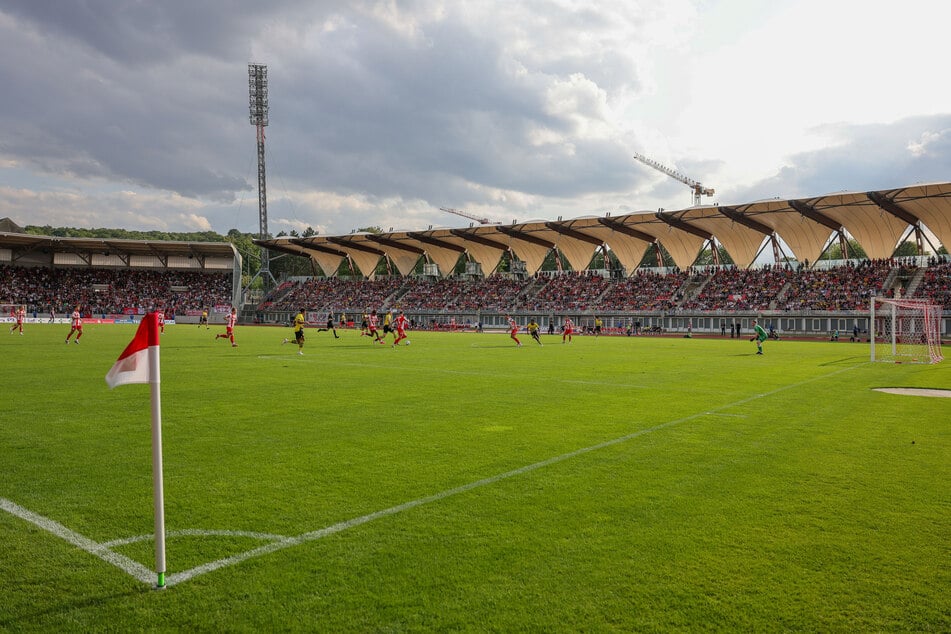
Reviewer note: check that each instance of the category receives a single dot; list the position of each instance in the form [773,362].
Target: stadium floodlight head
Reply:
[257,89]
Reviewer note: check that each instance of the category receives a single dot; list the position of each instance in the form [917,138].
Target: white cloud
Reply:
[384,111]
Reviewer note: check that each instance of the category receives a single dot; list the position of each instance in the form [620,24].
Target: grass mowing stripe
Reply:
[391,367]
[175,578]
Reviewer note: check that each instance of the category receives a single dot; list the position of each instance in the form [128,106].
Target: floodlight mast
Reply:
[698,188]
[257,90]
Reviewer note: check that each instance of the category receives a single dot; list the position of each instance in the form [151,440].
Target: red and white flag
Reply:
[133,364]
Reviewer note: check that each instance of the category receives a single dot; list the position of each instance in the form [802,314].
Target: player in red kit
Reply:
[77,326]
[513,331]
[400,324]
[372,329]
[19,315]
[569,329]
[160,314]
[229,328]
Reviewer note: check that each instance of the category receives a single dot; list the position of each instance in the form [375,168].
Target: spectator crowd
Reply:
[778,287]
[112,291]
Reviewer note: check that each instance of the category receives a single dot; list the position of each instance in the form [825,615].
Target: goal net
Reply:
[905,331]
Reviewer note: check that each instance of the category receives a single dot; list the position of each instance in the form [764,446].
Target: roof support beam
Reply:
[396,244]
[479,239]
[677,223]
[573,233]
[889,205]
[814,214]
[620,227]
[356,246]
[685,226]
[740,218]
[305,244]
[525,237]
[442,244]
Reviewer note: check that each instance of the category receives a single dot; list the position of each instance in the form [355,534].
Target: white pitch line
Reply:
[141,573]
[357,521]
[123,563]
[194,532]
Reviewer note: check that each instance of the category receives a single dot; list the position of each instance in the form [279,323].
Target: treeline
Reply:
[125,234]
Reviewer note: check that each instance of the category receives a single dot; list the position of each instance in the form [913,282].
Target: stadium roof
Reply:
[23,244]
[877,220]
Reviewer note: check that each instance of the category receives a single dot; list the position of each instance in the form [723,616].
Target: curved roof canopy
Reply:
[877,220]
[22,245]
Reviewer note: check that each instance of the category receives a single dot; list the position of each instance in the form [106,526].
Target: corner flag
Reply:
[139,363]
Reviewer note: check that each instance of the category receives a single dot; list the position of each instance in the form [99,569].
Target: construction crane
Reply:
[698,188]
[481,221]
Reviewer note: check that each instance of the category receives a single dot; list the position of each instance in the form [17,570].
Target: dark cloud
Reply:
[376,108]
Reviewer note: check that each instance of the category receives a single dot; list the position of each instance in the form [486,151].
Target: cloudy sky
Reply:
[134,113]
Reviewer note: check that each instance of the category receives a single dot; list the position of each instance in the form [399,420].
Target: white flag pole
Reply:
[157,480]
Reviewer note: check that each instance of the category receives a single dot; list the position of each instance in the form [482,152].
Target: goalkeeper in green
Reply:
[759,337]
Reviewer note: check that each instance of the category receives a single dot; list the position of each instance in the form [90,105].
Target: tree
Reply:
[906,248]
[650,257]
[705,257]
[555,261]
[834,252]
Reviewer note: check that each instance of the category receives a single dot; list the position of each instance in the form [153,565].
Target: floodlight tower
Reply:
[257,89]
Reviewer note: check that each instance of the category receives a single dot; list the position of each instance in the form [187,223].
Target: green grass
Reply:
[612,484]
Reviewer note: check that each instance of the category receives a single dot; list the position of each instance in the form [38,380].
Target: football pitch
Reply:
[463,484]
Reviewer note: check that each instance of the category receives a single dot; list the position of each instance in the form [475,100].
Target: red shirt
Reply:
[232,317]
[77,319]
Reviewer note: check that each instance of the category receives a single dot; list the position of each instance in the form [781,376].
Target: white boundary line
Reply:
[141,573]
[133,568]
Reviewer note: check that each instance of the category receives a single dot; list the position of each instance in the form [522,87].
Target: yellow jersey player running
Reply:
[533,331]
[298,331]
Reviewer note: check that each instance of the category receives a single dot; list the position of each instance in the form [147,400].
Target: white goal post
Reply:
[905,330]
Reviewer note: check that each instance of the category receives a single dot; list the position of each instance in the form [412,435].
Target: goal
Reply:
[905,330]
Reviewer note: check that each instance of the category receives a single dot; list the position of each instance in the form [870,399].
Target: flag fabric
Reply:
[133,364]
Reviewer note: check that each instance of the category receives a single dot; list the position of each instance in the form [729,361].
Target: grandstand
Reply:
[115,277]
[111,278]
[797,293]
